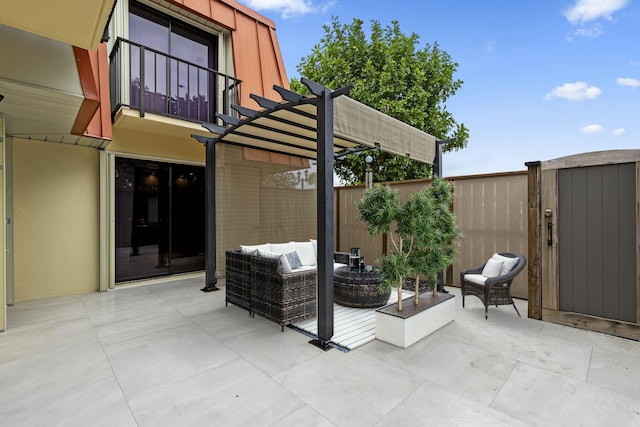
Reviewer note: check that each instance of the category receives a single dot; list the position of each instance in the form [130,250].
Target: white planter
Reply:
[405,328]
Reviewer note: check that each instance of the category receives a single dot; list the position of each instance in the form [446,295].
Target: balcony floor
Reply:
[168,354]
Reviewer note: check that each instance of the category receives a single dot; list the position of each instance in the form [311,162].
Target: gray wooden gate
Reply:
[596,241]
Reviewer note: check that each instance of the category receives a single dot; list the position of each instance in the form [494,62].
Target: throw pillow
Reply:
[492,268]
[286,267]
[293,259]
[508,265]
[306,253]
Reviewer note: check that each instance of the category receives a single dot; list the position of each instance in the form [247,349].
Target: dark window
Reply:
[177,63]
[160,219]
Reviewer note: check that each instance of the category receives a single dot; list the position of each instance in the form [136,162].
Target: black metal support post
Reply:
[324,212]
[210,251]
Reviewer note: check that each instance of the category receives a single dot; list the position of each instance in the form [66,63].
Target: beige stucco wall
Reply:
[3,218]
[178,148]
[55,219]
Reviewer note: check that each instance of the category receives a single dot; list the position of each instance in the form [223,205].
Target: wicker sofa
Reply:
[263,286]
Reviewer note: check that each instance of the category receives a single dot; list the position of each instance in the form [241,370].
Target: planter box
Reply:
[405,328]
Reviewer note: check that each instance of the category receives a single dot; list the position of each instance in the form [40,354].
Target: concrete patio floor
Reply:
[168,354]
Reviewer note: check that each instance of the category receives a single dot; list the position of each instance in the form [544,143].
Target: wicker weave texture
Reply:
[238,280]
[282,297]
[358,289]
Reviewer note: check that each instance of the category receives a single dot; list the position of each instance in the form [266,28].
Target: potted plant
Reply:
[424,237]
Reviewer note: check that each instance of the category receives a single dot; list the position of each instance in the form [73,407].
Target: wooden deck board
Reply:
[352,327]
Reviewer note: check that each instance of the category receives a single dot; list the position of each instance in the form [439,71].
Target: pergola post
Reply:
[210,280]
[324,214]
[210,249]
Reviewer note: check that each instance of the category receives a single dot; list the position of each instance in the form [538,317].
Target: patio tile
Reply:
[305,416]
[96,402]
[378,348]
[34,339]
[470,371]
[349,389]
[595,339]
[273,351]
[619,372]
[462,328]
[36,312]
[119,336]
[562,356]
[173,355]
[228,322]
[72,385]
[232,394]
[115,297]
[542,398]
[179,356]
[434,405]
[108,312]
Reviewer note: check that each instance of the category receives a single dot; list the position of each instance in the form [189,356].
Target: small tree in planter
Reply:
[424,237]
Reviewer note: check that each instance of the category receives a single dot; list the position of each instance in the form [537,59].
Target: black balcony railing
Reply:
[148,80]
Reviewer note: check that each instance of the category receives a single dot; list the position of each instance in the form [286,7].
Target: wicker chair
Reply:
[495,290]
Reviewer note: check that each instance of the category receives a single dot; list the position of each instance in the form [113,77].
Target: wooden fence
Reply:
[491,211]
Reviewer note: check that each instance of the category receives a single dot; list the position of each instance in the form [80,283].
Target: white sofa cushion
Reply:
[253,249]
[314,242]
[282,248]
[492,268]
[508,263]
[475,278]
[306,252]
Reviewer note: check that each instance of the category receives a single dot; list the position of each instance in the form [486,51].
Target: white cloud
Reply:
[618,132]
[591,32]
[574,92]
[288,8]
[592,129]
[628,81]
[589,10]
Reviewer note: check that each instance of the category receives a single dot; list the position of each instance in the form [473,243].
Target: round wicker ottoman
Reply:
[358,289]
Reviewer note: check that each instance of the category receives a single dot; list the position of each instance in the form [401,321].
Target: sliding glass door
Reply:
[159,219]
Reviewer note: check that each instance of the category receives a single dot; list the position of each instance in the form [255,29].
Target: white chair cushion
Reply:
[492,268]
[253,249]
[314,242]
[508,265]
[306,252]
[478,279]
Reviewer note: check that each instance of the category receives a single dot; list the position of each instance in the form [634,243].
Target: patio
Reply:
[168,354]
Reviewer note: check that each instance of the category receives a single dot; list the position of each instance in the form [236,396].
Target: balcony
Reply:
[147,80]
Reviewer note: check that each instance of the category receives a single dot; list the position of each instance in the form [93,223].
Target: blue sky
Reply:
[542,78]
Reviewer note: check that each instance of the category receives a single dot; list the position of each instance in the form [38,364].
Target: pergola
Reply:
[319,126]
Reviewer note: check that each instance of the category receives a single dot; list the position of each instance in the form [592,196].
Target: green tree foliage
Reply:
[424,237]
[393,75]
